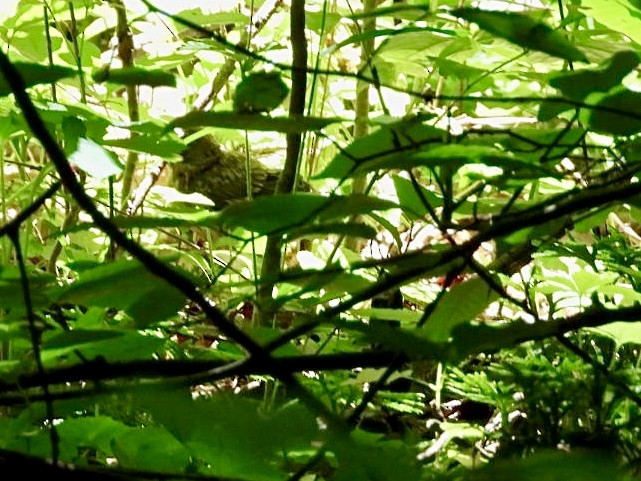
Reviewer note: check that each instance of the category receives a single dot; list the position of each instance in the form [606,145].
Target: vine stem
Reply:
[126,54]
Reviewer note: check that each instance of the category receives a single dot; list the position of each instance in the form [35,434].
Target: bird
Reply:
[220,175]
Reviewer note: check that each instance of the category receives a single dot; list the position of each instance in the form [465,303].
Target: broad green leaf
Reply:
[405,316]
[151,449]
[321,21]
[577,465]
[93,159]
[456,155]
[35,74]
[580,84]
[355,204]
[125,285]
[242,121]
[620,332]
[524,31]
[187,219]
[260,92]
[387,33]
[617,112]
[79,345]
[135,76]
[350,229]
[618,15]
[408,342]
[413,202]
[12,295]
[408,12]
[197,16]
[277,213]
[460,305]
[450,68]
[388,146]
[148,144]
[232,434]
[368,456]
[93,432]
[551,109]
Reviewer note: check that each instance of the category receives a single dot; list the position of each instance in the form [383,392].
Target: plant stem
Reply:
[273,254]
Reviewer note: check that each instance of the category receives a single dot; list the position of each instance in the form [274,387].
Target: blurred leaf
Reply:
[387,33]
[621,16]
[456,155]
[580,84]
[620,332]
[198,17]
[151,449]
[260,92]
[12,295]
[148,144]
[92,432]
[111,345]
[618,113]
[232,435]
[524,31]
[125,285]
[409,342]
[461,304]
[350,229]
[413,202]
[405,316]
[367,457]
[35,74]
[135,76]
[579,465]
[93,159]
[388,146]
[243,121]
[277,213]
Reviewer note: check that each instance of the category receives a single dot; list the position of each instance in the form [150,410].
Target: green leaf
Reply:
[524,31]
[387,33]
[242,121]
[151,449]
[620,332]
[97,432]
[578,465]
[12,295]
[366,457]
[260,92]
[409,342]
[404,316]
[460,305]
[281,212]
[618,112]
[79,345]
[618,15]
[148,144]
[135,76]
[35,74]
[198,17]
[579,85]
[125,285]
[93,159]
[233,435]
[347,229]
[388,146]
[457,155]
[355,204]
[413,202]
